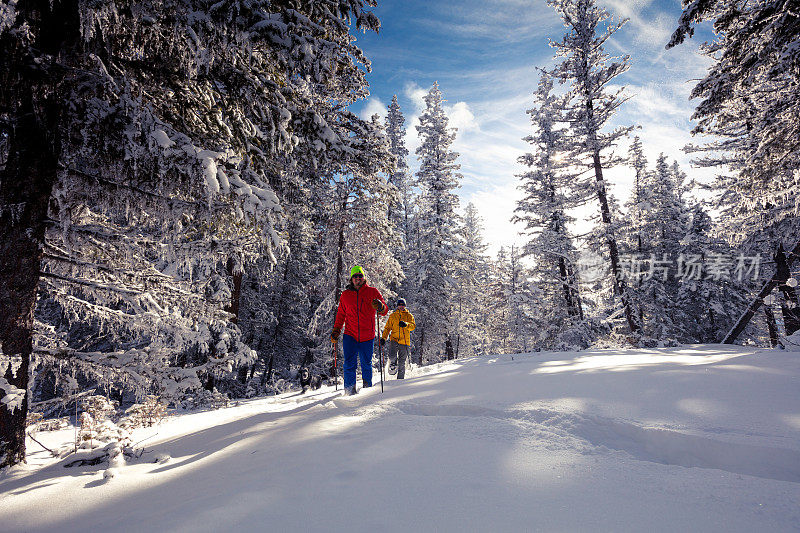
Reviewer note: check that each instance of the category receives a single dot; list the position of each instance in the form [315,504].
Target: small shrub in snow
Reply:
[205,400]
[112,454]
[87,435]
[52,424]
[146,414]
[94,433]
[33,420]
[116,457]
[100,407]
[96,425]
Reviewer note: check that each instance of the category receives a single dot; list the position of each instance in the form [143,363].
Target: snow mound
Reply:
[696,438]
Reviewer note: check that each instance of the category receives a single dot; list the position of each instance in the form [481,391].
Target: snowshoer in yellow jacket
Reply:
[398,330]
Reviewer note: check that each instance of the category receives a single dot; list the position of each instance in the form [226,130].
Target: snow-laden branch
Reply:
[13,397]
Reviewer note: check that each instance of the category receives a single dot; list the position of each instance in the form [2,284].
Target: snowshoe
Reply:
[392,369]
[350,391]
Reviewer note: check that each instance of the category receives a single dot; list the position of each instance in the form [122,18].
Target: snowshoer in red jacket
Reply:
[357,307]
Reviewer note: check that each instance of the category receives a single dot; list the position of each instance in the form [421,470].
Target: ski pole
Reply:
[335,367]
[380,352]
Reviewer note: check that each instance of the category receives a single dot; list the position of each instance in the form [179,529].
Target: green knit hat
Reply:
[357,270]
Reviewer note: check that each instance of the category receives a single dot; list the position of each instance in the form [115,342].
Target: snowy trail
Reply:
[703,438]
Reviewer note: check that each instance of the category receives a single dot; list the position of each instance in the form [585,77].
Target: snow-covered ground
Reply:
[703,438]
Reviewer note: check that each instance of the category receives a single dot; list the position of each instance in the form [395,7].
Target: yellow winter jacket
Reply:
[398,334]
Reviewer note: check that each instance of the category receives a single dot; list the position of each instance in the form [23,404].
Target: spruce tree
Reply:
[589,70]
[748,101]
[400,211]
[401,214]
[663,219]
[437,224]
[550,190]
[147,143]
[636,205]
[706,308]
[497,312]
[472,269]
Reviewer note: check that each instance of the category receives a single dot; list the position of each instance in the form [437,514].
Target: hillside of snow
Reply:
[699,438]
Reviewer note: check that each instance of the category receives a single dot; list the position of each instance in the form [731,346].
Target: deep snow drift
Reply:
[702,438]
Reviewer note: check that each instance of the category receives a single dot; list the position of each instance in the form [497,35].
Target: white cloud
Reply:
[657,101]
[650,28]
[625,8]
[374,107]
[655,32]
[499,21]
[416,94]
[459,116]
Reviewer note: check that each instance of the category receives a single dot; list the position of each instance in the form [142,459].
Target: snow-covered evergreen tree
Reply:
[520,293]
[512,305]
[589,70]
[748,100]
[749,95]
[706,306]
[277,299]
[145,151]
[472,269]
[401,210]
[496,312]
[437,225]
[550,189]
[632,236]
[663,223]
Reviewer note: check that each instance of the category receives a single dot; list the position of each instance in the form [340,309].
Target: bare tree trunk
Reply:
[772,326]
[340,258]
[620,288]
[421,345]
[569,292]
[789,307]
[270,367]
[236,293]
[233,308]
[737,329]
[25,189]
[564,268]
[712,321]
[576,295]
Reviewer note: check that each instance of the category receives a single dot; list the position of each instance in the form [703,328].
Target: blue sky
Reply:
[484,54]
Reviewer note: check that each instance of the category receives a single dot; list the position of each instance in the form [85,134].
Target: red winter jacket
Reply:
[356,312]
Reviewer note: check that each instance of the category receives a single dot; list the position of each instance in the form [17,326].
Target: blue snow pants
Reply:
[353,351]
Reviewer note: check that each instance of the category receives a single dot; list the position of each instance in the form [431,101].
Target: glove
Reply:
[383,341]
[403,324]
[335,334]
[377,305]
